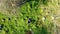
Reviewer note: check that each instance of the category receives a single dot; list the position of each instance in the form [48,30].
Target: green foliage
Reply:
[19,24]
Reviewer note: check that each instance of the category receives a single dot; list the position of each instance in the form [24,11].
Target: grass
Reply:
[40,19]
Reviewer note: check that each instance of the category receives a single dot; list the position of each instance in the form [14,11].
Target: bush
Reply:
[30,18]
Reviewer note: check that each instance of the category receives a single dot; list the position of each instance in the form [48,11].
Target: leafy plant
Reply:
[30,17]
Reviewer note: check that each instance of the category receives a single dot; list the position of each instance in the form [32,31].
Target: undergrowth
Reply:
[30,19]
